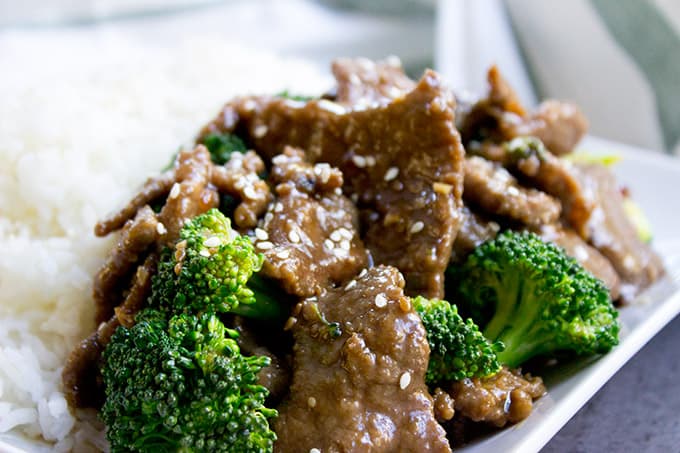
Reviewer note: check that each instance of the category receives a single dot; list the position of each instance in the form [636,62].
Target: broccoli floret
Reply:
[181,384]
[221,146]
[458,349]
[536,300]
[213,268]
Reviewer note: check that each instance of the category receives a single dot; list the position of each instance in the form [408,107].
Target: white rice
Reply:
[82,124]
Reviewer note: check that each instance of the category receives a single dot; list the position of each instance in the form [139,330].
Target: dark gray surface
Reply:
[637,410]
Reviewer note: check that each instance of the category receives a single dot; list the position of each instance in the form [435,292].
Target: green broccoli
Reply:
[213,268]
[536,300]
[221,146]
[458,349]
[180,383]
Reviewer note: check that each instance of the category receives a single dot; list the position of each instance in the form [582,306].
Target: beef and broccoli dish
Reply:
[367,270]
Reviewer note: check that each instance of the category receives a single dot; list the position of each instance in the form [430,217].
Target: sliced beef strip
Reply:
[362,388]
[309,236]
[363,83]
[192,194]
[506,397]
[239,177]
[493,189]
[501,117]
[613,234]
[589,257]
[153,189]
[536,166]
[136,239]
[475,230]
[402,162]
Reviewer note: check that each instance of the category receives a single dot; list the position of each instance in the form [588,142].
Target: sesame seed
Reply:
[344,232]
[249,193]
[311,401]
[370,161]
[279,159]
[351,284]
[405,380]
[265,245]
[212,241]
[268,218]
[331,106]
[344,244]
[417,227]
[204,252]
[260,131]
[290,322]
[283,254]
[442,188]
[174,192]
[249,105]
[278,207]
[340,253]
[329,244]
[514,191]
[359,161]
[160,229]
[354,197]
[338,191]
[336,236]
[261,234]
[391,173]
[293,236]
[380,300]
[363,272]
[314,450]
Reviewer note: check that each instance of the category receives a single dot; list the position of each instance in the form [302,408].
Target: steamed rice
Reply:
[82,124]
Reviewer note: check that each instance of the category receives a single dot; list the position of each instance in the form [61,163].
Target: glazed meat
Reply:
[613,234]
[359,385]
[493,189]
[506,397]
[501,117]
[402,163]
[239,177]
[309,236]
[588,256]
[110,282]
[363,83]
[475,230]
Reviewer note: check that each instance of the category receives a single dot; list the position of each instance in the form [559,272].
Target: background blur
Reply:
[618,59]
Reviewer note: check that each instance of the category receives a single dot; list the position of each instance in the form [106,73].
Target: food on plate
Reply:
[534,299]
[281,285]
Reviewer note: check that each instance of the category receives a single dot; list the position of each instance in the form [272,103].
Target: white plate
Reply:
[654,181]
[570,386]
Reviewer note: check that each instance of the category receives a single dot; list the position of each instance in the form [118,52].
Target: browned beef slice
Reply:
[81,377]
[505,397]
[585,254]
[493,189]
[192,194]
[309,236]
[135,240]
[362,82]
[402,162]
[500,117]
[363,390]
[613,234]
[475,230]
[239,177]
